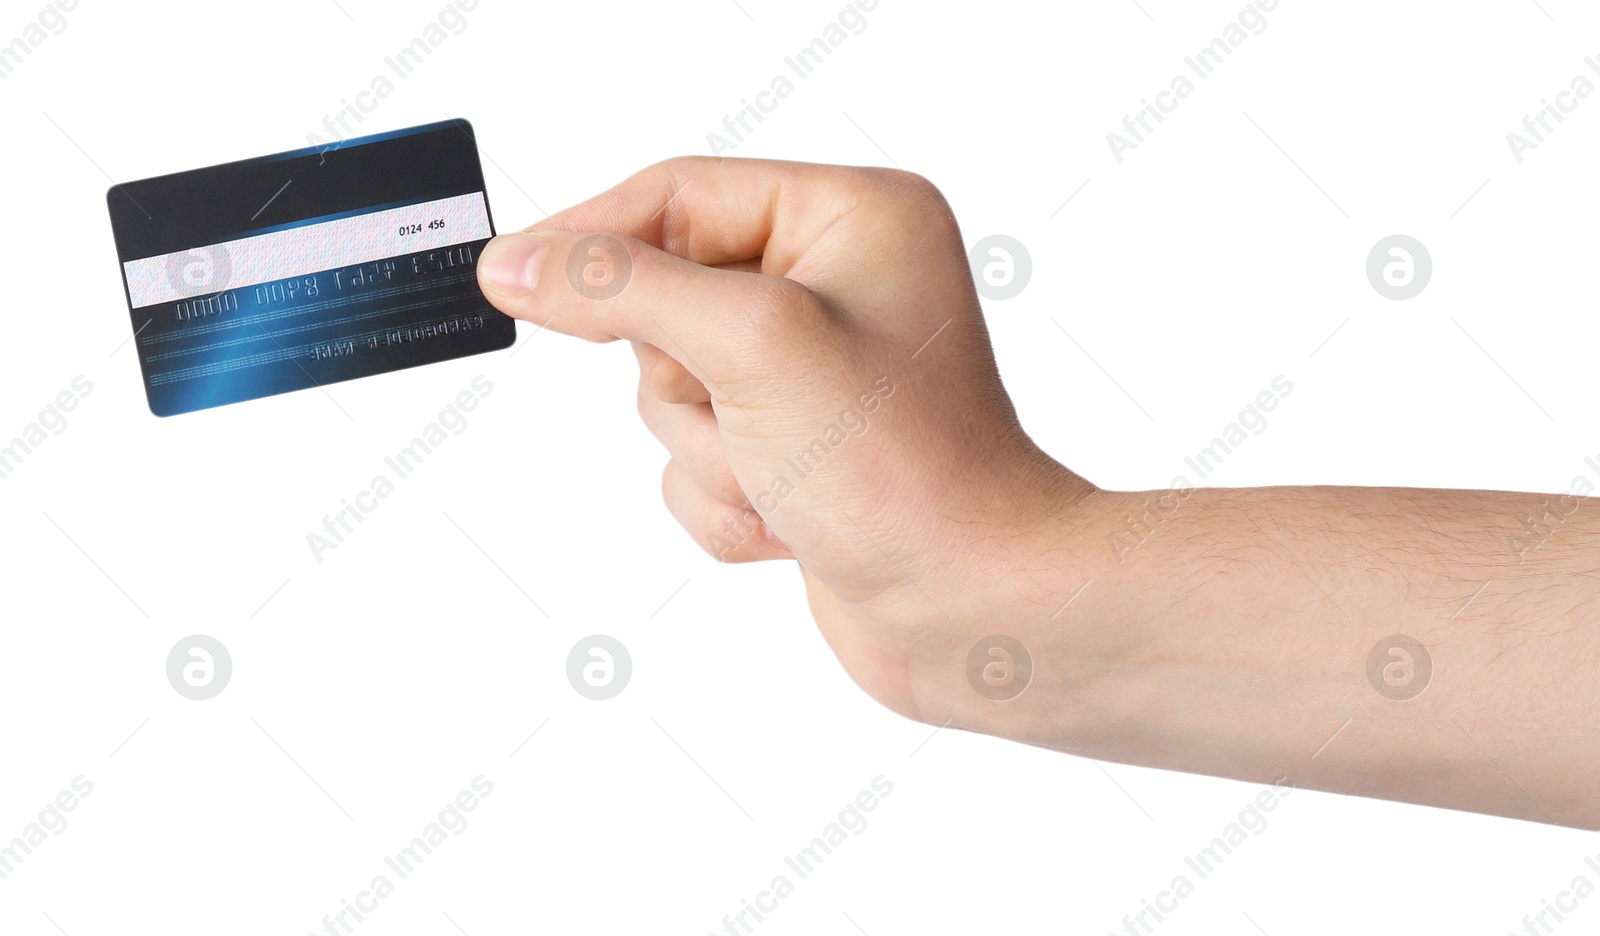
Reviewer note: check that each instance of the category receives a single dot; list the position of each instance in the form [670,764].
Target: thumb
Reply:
[724,325]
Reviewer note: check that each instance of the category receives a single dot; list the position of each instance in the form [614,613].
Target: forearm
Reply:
[1229,632]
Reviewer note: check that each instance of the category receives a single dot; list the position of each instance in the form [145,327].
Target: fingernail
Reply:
[510,263]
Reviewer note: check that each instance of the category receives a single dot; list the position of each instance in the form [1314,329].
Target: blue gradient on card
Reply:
[318,329]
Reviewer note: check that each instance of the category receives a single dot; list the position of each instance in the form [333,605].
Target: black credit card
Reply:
[307,268]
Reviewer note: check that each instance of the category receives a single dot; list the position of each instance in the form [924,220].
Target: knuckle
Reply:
[725,486]
[665,386]
[685,164]
[662,378]
[915,197]
[869,178]
[776,308]
[641,401]
[684,387]
[715,545]
[675,486]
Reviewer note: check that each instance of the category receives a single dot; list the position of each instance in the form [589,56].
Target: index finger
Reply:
[720,211]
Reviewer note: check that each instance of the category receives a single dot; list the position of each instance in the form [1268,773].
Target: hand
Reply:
[813,356]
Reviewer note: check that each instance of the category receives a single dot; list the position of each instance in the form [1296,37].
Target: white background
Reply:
[372,687]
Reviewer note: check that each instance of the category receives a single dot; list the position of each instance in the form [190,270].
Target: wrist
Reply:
[1009,645]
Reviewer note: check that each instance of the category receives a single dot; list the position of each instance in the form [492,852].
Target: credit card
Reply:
[307,268]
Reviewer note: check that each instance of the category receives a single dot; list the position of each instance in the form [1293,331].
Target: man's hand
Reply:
[813,356]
